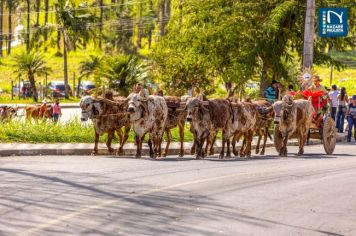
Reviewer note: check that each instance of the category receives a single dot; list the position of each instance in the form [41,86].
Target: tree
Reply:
[123,72]
[11,6]
[1,25]
[31,63]
[69,27]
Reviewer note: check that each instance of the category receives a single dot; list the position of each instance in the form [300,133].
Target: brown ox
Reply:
[148,114]
[295,117]
[39,111]
[266,116]
[107,116]
[7,113]
[176,117]
[207,118]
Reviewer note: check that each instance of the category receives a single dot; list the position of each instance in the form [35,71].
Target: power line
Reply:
[80,8]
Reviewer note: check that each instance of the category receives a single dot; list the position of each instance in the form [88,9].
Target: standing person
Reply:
[271,92]
[342,101]
[317,86]
[351,118]
[333,100]
[40,90]
[57,112]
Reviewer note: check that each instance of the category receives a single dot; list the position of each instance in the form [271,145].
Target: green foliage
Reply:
[72,131]
[123,72]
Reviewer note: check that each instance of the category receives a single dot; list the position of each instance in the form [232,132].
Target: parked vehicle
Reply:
[24,89]
[85,87]
[57,89]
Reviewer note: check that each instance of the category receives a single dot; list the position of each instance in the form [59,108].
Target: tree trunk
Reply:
[161,23]
[139,31]
[308,48]
[10,31]
[101,4]
[151,28]
[1,25]
[65,66]
[58,40]
[46,21]
[38,6]
[32,80]
[263,82]
[28,26]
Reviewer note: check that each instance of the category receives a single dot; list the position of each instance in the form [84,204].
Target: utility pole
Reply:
[308,49]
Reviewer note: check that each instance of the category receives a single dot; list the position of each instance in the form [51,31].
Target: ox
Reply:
[207,118]
[148,114]
[266,116]
[7,113]
[295,116]
[245,118]
[107,116]
[176,117]
[38,112]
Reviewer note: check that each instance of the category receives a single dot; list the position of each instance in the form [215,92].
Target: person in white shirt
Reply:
[333,100]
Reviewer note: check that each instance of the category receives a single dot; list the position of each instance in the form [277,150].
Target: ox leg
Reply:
[264,142]
[211,151]
[208,143]
[259,132]
[152,153]
[243,147]
[234,149]
[109,140]
[181,138]
[221,156]
[168,134]
[123,140]
[193,149]
[96,141]
[228,151]
[302,139]
[139,146]
[249,143]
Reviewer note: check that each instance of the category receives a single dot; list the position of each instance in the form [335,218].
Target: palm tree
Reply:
[90,67]
[124,71]
[1,24]
[70,25]
[31,63]
[11,5]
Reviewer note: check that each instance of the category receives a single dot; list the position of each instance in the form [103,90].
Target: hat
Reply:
[353,97]
[317,78]
[274,82]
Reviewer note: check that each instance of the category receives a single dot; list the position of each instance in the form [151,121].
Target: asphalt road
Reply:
[71,195]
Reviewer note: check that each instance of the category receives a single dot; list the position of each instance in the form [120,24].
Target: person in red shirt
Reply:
[56,111]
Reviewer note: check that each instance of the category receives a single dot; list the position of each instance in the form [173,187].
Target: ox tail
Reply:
[269,135]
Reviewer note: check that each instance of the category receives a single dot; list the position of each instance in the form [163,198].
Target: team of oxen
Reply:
[155,115]
[32,112]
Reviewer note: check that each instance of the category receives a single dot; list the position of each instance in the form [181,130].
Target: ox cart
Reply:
[322,126]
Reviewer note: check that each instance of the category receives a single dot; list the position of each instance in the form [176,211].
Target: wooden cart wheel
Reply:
[329,135]
[277,138]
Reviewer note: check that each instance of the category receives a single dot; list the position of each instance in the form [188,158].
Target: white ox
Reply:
[148,114]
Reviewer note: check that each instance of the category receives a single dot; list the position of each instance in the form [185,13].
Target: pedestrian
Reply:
[351,118]
[333,100]
[342,101]
[40,90]
[56,111]
[271,92]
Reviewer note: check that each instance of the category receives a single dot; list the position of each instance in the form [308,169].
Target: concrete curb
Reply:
[130,151]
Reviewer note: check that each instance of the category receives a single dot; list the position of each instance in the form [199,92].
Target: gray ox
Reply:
[295,116]
[148,114]
[107,116]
